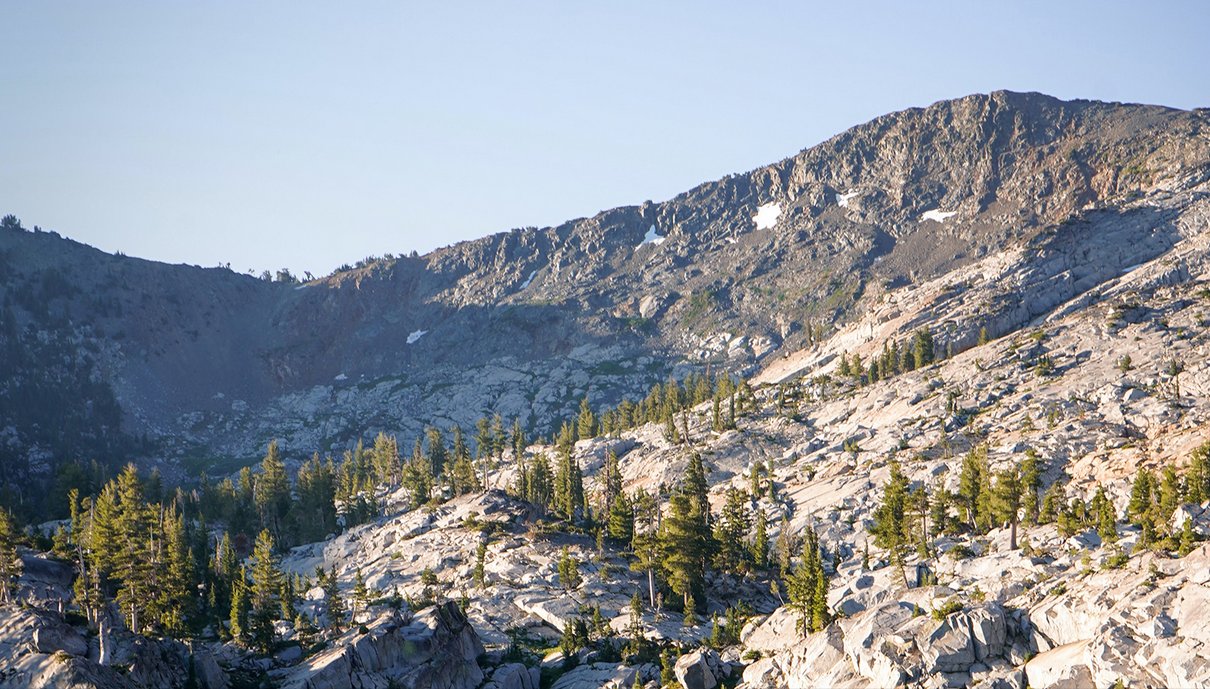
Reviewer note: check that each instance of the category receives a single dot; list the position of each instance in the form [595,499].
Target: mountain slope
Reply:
[527,322]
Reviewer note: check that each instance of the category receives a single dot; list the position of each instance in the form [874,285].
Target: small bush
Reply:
[947,608]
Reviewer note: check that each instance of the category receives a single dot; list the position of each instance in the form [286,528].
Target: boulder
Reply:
[989,631]
[514,676]
[597,676]
[1060,668]
[697,670]
[948,648]
[55,637]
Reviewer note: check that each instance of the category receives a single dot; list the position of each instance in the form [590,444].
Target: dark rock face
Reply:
[526,322]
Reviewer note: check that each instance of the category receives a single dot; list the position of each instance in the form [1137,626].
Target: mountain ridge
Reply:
[216,363]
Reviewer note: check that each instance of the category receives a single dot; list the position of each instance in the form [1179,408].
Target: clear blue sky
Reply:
[310,134]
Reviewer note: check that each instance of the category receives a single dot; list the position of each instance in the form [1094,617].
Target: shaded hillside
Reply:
[525,323]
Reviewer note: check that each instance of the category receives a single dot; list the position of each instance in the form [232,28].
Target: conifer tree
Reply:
[10,563]
[922,348]
[569,571]
[971,484]
[731,532]
[646,539]
[272,491]
[612,487]
[586,424]
[386,460]
[808,588]
[890,523]
[418,475]
[760,541]
[361,594]
[1031,481]
[1007,502]
[480,574]
[621,521]
[264,593]
[683,548]
[1106,516]
[634,630]
[569,485]
[132,558]
[334,605]
[1188,539]
[239,606]
[174,598]
[437,454]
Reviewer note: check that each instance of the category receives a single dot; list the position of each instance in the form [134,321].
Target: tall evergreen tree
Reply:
[10,563]
[239,606]
[264,593]
[586,423]
[272,491]
[621,521]
[1006,500]
[684,548]
[731,533]
[760,541]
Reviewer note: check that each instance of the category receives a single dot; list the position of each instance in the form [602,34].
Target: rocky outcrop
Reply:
[438,649]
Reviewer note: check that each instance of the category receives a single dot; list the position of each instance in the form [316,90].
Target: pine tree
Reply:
[1006,500]
[922,348]
[621,521]
[731,533]
[386,460]
[174,599]
[1106,517]
[437,454]
[272,492]
[1188,539]
[1031,481]
[569,485]
[264,593]
[418,475]
[480,574]
[239,606]
[612,487]
[808,588]
[569,571]
[10,563]
[634,630]
[696,486]
[586,424]
[361,594]
[760,541]
[133,563]
[334,605]
[684,547]
[971,484]
[646,539]
[1140,510]
[690,619]
[890,518]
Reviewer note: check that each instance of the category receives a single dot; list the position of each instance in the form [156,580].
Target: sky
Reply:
[307,135]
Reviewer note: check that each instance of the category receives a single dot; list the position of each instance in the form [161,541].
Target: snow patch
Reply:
[341,376]
[937,215]
[416,335]
[529,279]
[652,237]
[767,215]
[842,200]
[301,287]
